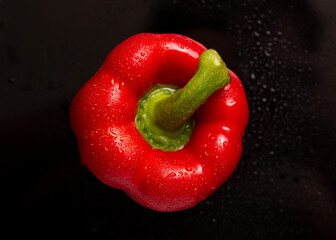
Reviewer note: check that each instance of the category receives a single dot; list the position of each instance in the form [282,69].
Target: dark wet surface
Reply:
[283,51]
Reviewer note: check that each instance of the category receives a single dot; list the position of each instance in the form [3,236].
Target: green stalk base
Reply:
[147,124]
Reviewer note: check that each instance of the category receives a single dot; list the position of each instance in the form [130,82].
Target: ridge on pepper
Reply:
[162,120]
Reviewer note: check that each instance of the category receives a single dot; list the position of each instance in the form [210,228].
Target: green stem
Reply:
[164,116]
[212,74]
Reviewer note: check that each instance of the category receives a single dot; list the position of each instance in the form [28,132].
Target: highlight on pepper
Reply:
[162,120]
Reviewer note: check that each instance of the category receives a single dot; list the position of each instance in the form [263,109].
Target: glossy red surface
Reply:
[103,113]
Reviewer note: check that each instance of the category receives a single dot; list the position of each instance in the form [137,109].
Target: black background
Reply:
[284,53]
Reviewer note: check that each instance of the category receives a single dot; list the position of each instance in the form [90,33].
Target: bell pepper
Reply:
[162,120]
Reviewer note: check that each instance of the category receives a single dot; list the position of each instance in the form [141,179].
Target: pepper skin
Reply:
[103,112]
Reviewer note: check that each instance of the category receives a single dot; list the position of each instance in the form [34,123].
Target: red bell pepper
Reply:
[144,128]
